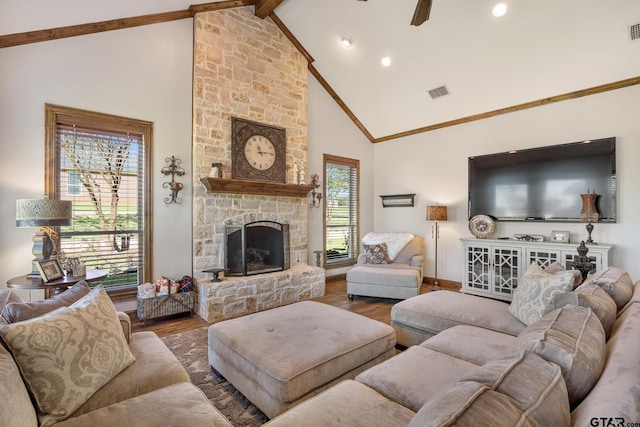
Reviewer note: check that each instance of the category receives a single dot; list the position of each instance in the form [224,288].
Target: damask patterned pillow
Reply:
[535,291]
[66,355]
[377,254]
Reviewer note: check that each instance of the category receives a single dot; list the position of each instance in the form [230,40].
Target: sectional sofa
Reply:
[577,363]
[132,380]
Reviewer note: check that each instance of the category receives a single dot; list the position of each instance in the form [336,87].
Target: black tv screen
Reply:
[544,184]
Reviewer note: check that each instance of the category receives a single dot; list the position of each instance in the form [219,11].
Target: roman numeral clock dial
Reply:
[258,151]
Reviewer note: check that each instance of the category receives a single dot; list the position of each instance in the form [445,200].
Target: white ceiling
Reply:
[539,49]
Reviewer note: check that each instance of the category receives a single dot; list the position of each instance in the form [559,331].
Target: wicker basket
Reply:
[166,305]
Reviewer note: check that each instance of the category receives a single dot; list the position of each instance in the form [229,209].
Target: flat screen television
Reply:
[544,184]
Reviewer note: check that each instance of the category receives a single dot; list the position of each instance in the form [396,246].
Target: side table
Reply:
[55,286]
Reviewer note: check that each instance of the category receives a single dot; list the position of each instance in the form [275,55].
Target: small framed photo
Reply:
[560,236]
[50,269]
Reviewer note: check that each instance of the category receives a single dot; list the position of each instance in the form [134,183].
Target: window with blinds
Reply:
[341,178]
[99,162]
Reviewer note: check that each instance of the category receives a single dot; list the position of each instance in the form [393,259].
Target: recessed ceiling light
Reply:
[499,10]
[386,61]
[346,41]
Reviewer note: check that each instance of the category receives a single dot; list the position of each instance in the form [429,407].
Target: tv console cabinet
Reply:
[493,267]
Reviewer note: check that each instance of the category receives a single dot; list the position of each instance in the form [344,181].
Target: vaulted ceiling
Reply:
[540,51]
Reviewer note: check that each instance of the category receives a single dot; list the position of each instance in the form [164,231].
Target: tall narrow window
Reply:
[341,178]
[100,163]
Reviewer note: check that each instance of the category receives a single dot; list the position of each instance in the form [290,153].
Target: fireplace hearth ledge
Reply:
[237,296]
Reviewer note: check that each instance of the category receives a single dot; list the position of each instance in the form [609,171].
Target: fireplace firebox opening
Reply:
[256,247]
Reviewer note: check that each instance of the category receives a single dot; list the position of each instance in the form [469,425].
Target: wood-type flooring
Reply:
[335,294]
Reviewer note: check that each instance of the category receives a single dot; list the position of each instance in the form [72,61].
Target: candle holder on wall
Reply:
[316,197]
[174,169]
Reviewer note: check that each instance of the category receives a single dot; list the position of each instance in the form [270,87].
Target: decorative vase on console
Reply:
[589,212]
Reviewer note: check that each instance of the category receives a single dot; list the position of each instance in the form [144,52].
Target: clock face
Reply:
[260,152]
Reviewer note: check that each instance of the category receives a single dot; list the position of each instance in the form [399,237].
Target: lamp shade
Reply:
[589,212]
[43,212]
[436,213]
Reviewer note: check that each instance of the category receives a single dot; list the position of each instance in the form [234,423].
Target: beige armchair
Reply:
[399,276]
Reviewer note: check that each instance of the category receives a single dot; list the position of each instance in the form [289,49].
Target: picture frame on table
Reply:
[50,270]
[560,236]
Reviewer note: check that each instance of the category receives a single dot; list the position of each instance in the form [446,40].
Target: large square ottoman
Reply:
[281,357]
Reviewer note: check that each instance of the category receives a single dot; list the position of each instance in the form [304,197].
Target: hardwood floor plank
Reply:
[335,294]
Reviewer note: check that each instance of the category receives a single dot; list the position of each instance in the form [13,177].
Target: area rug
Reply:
[191,350]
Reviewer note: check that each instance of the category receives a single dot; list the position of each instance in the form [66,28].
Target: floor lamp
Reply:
[436,213]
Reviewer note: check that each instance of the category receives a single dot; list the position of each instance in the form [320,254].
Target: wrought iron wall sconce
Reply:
[316,197]
[173,168]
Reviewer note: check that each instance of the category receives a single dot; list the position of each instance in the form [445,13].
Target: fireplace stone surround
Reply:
[246,67]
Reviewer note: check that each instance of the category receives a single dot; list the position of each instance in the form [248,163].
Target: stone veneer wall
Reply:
[244,67]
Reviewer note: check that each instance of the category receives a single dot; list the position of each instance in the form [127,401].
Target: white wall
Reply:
[434,165]
[146,73]
[142,73]
[330,131]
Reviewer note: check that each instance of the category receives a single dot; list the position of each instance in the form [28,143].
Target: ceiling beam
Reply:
[37,36]
[289,35]
[265,8]
[219,5]
[537,103]
[340,102]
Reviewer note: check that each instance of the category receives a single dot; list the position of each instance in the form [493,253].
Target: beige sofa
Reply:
[154,390]
[577,365]
[390,267]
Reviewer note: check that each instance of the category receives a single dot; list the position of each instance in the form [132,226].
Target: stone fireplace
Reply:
[245,67]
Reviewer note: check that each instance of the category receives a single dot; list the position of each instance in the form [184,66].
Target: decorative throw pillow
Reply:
[66,355]
[534,292]
[589,296]
[17,312]
[377,254]
[521,389]
[572,337]
[556,267]
[7,297]
[617,283]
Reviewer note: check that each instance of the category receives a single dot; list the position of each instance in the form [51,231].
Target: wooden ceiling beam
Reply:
[91,28]
[220,5]
[117,24]
[265,8]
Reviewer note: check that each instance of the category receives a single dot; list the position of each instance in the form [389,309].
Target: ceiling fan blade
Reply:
[423,9]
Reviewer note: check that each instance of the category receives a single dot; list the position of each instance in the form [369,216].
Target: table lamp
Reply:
[436,213]
[589,212]
[43,213]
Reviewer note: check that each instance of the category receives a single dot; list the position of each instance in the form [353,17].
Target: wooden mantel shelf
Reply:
[240,186]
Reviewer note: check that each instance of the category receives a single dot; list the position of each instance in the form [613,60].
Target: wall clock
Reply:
[257,151]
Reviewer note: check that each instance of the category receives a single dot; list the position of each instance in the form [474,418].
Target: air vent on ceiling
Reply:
[438,92]
[634,31]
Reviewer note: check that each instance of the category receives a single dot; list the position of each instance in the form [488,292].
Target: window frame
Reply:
[355,238]
[106,121]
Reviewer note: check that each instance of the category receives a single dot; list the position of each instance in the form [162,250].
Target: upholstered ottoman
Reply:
[397,281]
[280,357]
[421,317]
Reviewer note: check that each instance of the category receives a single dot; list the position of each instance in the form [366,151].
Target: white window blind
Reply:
[341,210]
[100,167]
